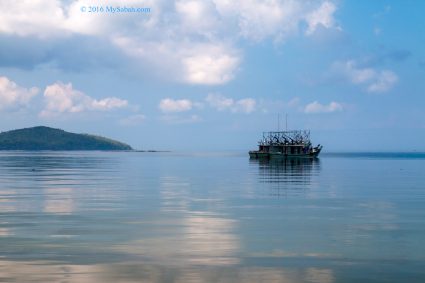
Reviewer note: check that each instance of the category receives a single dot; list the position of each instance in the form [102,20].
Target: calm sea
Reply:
[176,217]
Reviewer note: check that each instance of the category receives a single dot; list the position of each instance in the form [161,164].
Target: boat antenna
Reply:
[286,122]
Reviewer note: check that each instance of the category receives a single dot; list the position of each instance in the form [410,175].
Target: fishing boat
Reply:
[285,144]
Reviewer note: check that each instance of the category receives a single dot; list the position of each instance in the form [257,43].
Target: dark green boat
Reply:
[285,144]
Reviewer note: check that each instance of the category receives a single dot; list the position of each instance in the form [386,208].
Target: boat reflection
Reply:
[286,175]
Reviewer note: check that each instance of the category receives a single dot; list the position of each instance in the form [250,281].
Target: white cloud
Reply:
[209,68]
[171,105]
[189,62]
[252,19]
[277,19]
[323,16]
[55,18]
[221,103]
[194,42]
[384,82]
[13,95]
[216,101]
[355,74]
[197,16]
[42,18]
[316,107]
[62,98]
[373,80]
[258,20]
[246,105]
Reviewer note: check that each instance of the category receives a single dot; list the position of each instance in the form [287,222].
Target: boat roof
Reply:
[293,135]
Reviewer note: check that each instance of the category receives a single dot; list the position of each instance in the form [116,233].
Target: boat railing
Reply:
[286,137]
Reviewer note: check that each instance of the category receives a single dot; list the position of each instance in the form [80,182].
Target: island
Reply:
[46,138]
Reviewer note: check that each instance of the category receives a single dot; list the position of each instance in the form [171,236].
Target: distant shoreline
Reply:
[85,150]
[149,150]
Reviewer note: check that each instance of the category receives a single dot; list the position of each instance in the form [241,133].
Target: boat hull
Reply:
[259,155]
[279,155]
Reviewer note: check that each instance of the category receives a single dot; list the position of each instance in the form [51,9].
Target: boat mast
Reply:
[286,122]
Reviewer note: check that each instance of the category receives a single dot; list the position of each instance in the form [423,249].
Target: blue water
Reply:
[211,217]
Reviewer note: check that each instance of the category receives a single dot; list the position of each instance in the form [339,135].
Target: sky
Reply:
[212,75]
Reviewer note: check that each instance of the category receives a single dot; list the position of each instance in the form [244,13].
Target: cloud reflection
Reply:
[190,240]
[59,200]
[5,231]
[45,271]
[319,275]
[210,240]
[7,202]
[193,238]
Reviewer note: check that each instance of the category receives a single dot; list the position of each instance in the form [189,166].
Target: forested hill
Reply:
[45,138]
